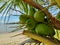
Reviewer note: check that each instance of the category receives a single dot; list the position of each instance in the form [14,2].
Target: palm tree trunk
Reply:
[45,40]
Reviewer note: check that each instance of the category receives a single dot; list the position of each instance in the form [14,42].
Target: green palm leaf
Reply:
[8,9]
[25,6]
[4,6]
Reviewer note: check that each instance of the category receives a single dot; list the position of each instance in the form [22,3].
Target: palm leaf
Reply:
[4,11]
[4,6]
[25,6]
[17,3]
[8,9]
[1,0]
[21,7]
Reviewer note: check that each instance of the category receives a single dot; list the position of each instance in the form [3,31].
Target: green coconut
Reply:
[44,30]
[39,16]
[30,24]
[23,18]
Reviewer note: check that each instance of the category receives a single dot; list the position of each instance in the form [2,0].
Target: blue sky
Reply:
[11,13]
[54,10]
[12,17]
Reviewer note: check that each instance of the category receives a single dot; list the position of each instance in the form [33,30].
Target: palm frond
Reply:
[20,6]
[4,11]
[1,0]
[25,6]
[8,9]
[17,11]
[4,6]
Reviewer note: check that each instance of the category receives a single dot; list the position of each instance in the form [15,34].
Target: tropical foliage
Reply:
[26,9]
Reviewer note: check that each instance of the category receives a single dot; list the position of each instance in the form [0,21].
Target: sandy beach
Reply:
[6,39]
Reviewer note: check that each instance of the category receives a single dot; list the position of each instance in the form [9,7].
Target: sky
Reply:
[12,17]
[11,13]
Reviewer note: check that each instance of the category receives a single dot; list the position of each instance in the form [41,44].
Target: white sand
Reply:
[6,39]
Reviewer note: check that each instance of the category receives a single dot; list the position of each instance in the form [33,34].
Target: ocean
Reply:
[5,28]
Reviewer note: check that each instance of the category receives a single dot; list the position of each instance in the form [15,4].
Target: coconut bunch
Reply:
[37,22]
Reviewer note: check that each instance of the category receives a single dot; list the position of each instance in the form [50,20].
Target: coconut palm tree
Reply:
[25,6]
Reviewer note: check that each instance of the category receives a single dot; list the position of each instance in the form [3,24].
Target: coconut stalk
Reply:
[45,40]
[54,21]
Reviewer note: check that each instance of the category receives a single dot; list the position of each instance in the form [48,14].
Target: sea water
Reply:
[5,28]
